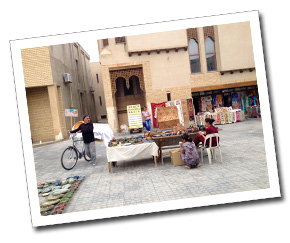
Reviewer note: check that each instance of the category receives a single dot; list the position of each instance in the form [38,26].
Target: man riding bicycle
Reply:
[87,129]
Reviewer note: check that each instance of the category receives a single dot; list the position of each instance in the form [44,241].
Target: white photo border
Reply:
[81,37]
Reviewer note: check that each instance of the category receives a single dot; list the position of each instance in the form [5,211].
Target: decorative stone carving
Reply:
[208,31]
[192,34]
[126,74]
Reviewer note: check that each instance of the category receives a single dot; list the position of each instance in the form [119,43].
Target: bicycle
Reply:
[71,154]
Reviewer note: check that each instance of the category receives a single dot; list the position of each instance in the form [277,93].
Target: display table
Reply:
[170,142]
[122,153]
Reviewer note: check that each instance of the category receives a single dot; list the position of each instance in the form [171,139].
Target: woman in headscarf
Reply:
[209,130]
[189,153]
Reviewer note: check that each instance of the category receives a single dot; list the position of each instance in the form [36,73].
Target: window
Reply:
[168,96]
[210,54]
[105,42]
[97,78]
[100,100]
[120,40]
[194,56]
[77,70]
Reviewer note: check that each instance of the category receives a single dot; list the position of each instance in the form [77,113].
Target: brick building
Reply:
[57,78]
[157,67]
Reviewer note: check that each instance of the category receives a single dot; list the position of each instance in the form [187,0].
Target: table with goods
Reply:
[124,149]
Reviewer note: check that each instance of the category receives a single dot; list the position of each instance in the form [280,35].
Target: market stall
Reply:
[130,151]
[172,141]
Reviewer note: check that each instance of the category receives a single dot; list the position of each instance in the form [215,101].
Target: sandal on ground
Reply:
[187,167]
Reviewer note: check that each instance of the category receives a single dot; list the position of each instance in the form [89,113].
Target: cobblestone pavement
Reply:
[138,181]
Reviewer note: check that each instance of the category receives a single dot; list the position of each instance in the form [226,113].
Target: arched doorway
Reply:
[125,96]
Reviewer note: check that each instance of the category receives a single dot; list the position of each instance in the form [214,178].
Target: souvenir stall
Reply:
[223,115]
[185,110]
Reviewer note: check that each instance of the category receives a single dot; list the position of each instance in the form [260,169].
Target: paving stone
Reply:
[244,168]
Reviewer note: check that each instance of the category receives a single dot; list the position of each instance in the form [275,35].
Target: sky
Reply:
[91,47]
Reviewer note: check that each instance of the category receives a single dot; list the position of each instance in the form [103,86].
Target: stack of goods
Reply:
[56,195]
[167,117]
[242,115]
[222,115]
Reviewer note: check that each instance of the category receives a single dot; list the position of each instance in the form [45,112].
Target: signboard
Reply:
[133,110]
[71,112]
[134,116]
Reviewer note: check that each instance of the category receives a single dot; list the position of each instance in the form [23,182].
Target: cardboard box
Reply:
[175,157]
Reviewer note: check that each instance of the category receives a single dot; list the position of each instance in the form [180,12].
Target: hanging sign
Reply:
[71,112]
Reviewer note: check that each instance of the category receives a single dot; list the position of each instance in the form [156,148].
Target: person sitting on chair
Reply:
[209,130]
[189,153]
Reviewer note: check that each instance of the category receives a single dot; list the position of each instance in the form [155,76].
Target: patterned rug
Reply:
[55,195]
[167,117]
[154,114]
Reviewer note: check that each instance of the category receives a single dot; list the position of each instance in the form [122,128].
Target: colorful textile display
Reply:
[177,103]
[249,111]
[254,112]
[220,100]
[218,118]
[167,117]
[234,117]
[154,113]
[169,103]
[190,108]
[200,119]
[214,116]
[203,104]
[217,110]
[185,110]
[227,119]
[238,116]
[208,103]
[242,115]
[230,117]
[236,100]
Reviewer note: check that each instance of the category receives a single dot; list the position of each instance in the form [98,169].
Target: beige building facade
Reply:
[153,68]
[57,78]
[99,92]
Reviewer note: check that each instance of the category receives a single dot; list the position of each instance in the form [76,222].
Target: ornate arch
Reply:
[126,74]
[208,31]
[192,34]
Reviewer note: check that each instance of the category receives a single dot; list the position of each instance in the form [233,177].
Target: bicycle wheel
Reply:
[87,158]
[69,158]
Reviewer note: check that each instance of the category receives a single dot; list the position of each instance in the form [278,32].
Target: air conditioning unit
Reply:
[92,88]
[67,78]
